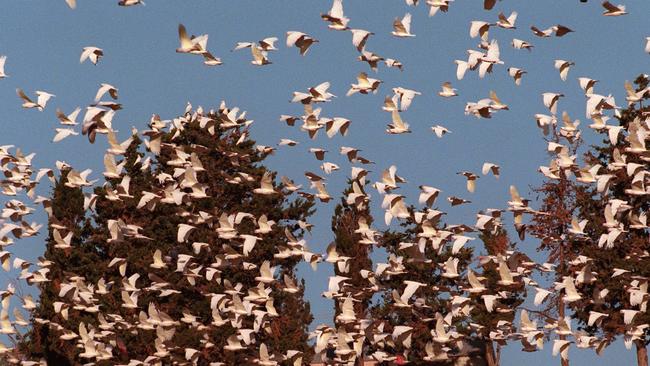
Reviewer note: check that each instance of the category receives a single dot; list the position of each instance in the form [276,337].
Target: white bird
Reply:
[647,49]
[103,89]
[563,67]
[266,185]
[405,97]
[559,31]
[479,28]
[360,37]
[157,260]
[439,130]
[439,334]
[41,101]
[233,344]
[259,56]
[447,90]
[550,101]
[266,273]
[391,62]
[184,232]
[300,40]
[364,85]
[130,2]
[194,45]
[561,347]
[475,285]
[628,315]
[471,180]
[267,44]
[402,27]
[409,290]
[435,5]
[62,133]
[577,228]
[91,53]
[521,44]
[451,268]
[516,74]
[613,10]
[509,22]
[587,85]
[428,195]
[287,142]
[265,359]
[398,126]
[571,294]
[249,243]
[596,317]
[70,119]
[3,61]
[491,58]
[490,167]
[461,68]
[335,16]
[506,278]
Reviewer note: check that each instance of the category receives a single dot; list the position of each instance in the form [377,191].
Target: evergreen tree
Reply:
[620,248]
[353,242]
[419,251]
[171,295]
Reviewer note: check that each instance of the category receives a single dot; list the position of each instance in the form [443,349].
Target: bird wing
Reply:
[610,7]
[186,43]
[504,271]
[337,9]
[292,37]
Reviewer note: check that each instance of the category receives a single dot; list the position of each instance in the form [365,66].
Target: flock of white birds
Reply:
[95,343]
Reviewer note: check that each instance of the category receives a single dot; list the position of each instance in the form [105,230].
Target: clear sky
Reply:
[43,41]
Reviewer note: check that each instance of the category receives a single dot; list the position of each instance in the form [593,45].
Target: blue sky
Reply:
[43,41]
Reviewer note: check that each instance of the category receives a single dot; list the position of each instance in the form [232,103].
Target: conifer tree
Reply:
[420,251]
[353,242]
[175,253]
[616,265]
